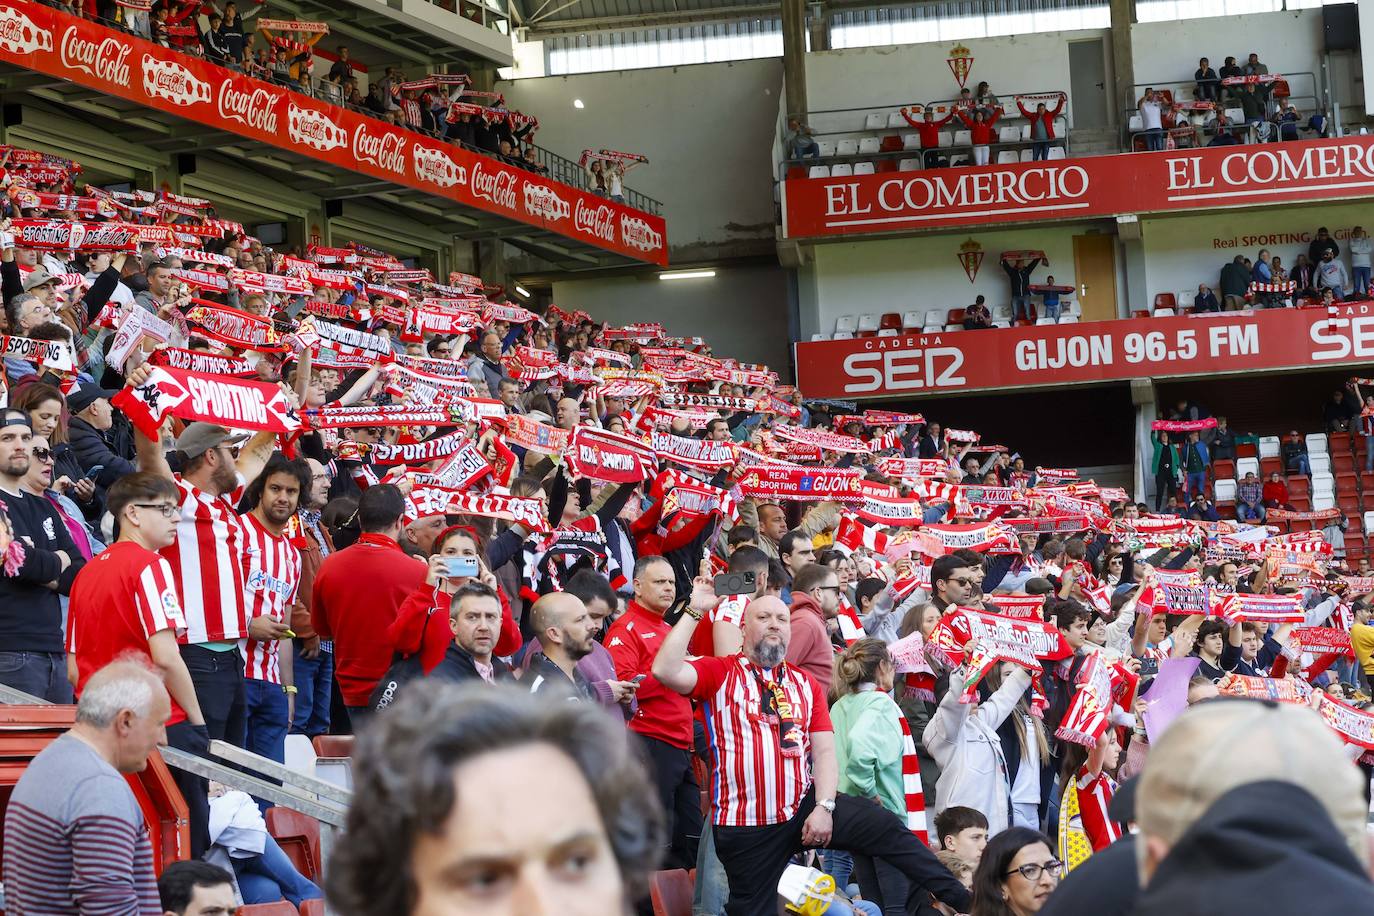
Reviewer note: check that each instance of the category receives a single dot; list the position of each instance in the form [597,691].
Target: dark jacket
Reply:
[459,666]
[1235,279]
[1020,277]
[1105,885]
[1206,302]
[548,680]
[1319,247]
[1224,444]
[1238,859]
[93,447]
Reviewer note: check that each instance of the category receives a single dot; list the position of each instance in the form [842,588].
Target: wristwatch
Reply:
[827,803]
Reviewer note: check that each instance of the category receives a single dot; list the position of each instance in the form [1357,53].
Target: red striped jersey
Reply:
[728,610]
[274,575]
[1094,798]
[118,600]
[754,783]
[207,561]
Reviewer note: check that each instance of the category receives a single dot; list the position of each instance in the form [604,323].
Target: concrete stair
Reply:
[1094,141]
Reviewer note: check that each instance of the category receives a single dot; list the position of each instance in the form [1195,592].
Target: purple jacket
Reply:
[597,668]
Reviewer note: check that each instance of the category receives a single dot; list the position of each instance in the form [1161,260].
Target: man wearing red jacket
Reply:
[1041,126]
[664,717]
[929,129]
[357,593]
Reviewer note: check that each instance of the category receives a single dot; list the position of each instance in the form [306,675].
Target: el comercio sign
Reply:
[1092,187]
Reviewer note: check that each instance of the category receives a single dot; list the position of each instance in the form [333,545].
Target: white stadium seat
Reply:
[909,165]
[895,119]
[912,320]
[874,121]
[963,137]
[868,146]
[846,323]
[1269,446]
[1316,444]
[846,147]
[818,171]
[863,168]
[841,170]
[911,141]
[868,323]
[826,148]
[1224,490]
[1246,466]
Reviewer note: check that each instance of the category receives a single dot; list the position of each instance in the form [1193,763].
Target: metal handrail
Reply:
[1012,113]
[325,801]
[1184,88]
[557,167]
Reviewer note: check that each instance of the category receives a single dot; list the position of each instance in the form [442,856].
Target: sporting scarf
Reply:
[1322,641]
[1042,523]
[937,491]
[1285,690]
[1090,709]
[194,256]
[63,235]
[507,312]
[56,355]
[961,435]
[882,505]
[601,357]
[1184,426]
[1354,726]
[235,328]
[254,282]
[535,436]
[709,401]
[938,540]
[548,558]
[911,468]
[444,368]
[203,279]
[1359,585]
[418,452]
[979,495]
[351,341]
[627,389]
[1017,607]
[387,292]
[850,626]
[389,415]
[236,403]
[1264,609]
[891,418]
[909,659]
[911,778]
[335,310]
[423,388]
[85,207]
[642,330]
[1055,475]
[801,483]
[819,438]
[202,362]
[1287,515]
[692,498]
[463,468]
[1023,642]
[851,534]
[531,365]
[294,25]
[612,457]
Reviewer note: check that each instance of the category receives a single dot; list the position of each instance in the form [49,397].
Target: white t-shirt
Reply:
[1149,115]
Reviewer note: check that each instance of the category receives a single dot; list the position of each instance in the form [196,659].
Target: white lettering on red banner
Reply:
[256,108]
[105,60]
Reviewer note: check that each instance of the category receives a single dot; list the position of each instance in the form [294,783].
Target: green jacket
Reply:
[1177,464]
[868,745]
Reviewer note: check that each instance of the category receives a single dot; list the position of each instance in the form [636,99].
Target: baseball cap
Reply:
[38,277]
[1222,744]
[198,438]
[81,398]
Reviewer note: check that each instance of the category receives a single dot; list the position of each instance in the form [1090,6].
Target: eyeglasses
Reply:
[43,455]
[1033,870]
[166,510]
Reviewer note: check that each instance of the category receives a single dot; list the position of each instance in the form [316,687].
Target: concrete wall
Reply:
[1181,252]
[904,74]
[707,130]
[921,273]
[1289,42]
[741,311]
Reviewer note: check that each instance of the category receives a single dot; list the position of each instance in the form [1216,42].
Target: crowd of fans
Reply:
[878,636]
[1316,276]
[444,106]
[1237,104]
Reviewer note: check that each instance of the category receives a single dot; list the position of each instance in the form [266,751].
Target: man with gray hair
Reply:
[1251,806]
[75,838]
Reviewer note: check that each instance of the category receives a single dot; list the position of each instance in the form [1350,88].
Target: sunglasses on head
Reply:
[42,454]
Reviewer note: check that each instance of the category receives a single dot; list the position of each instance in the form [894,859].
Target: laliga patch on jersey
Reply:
[170,604]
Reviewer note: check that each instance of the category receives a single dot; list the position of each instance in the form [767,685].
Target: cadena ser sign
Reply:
[49,41]
[1088,188]
[1100,351]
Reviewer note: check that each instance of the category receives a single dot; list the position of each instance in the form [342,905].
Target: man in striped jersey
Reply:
[274,576]
[208,561]
[770,730]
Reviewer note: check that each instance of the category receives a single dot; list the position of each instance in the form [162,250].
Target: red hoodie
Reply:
[422,625]
[980,132]
[809,647]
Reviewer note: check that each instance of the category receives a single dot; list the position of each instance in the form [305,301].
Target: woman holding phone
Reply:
[422,626]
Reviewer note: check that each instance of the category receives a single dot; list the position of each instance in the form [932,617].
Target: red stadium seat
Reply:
[1222,468]
[1338,442]
[885,165]
[891,144]
[671,892]
[333,745]
[280,908]
[1270,465]
[1140,313]
[298,836]
[954,316]
[891,320]
[312,907]
[1165,301]
[796,171]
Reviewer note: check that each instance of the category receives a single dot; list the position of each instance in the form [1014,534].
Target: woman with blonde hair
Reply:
[876,755]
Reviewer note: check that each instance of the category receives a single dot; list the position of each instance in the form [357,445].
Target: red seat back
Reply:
[891,320]
[671,892]
[333,745]
[1165,301]
[280,908]
[890,144]
[298,836]
[954,316]
[312,907]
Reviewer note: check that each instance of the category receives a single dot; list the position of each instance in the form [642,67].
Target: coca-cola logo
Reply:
[542,201]
[638,234]
[436,167]
[596,221]
[167,79]
[106,60]
[19,34]
[256,108]
[497,187]
[312,128]
[385,151]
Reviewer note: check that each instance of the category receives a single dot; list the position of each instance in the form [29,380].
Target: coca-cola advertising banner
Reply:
[1098,351]
[1087,188]
[89,54]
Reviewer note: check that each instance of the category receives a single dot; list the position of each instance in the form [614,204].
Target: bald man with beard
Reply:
[566,634]
[771,735]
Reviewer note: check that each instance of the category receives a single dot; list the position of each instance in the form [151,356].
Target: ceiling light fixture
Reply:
[687,275]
